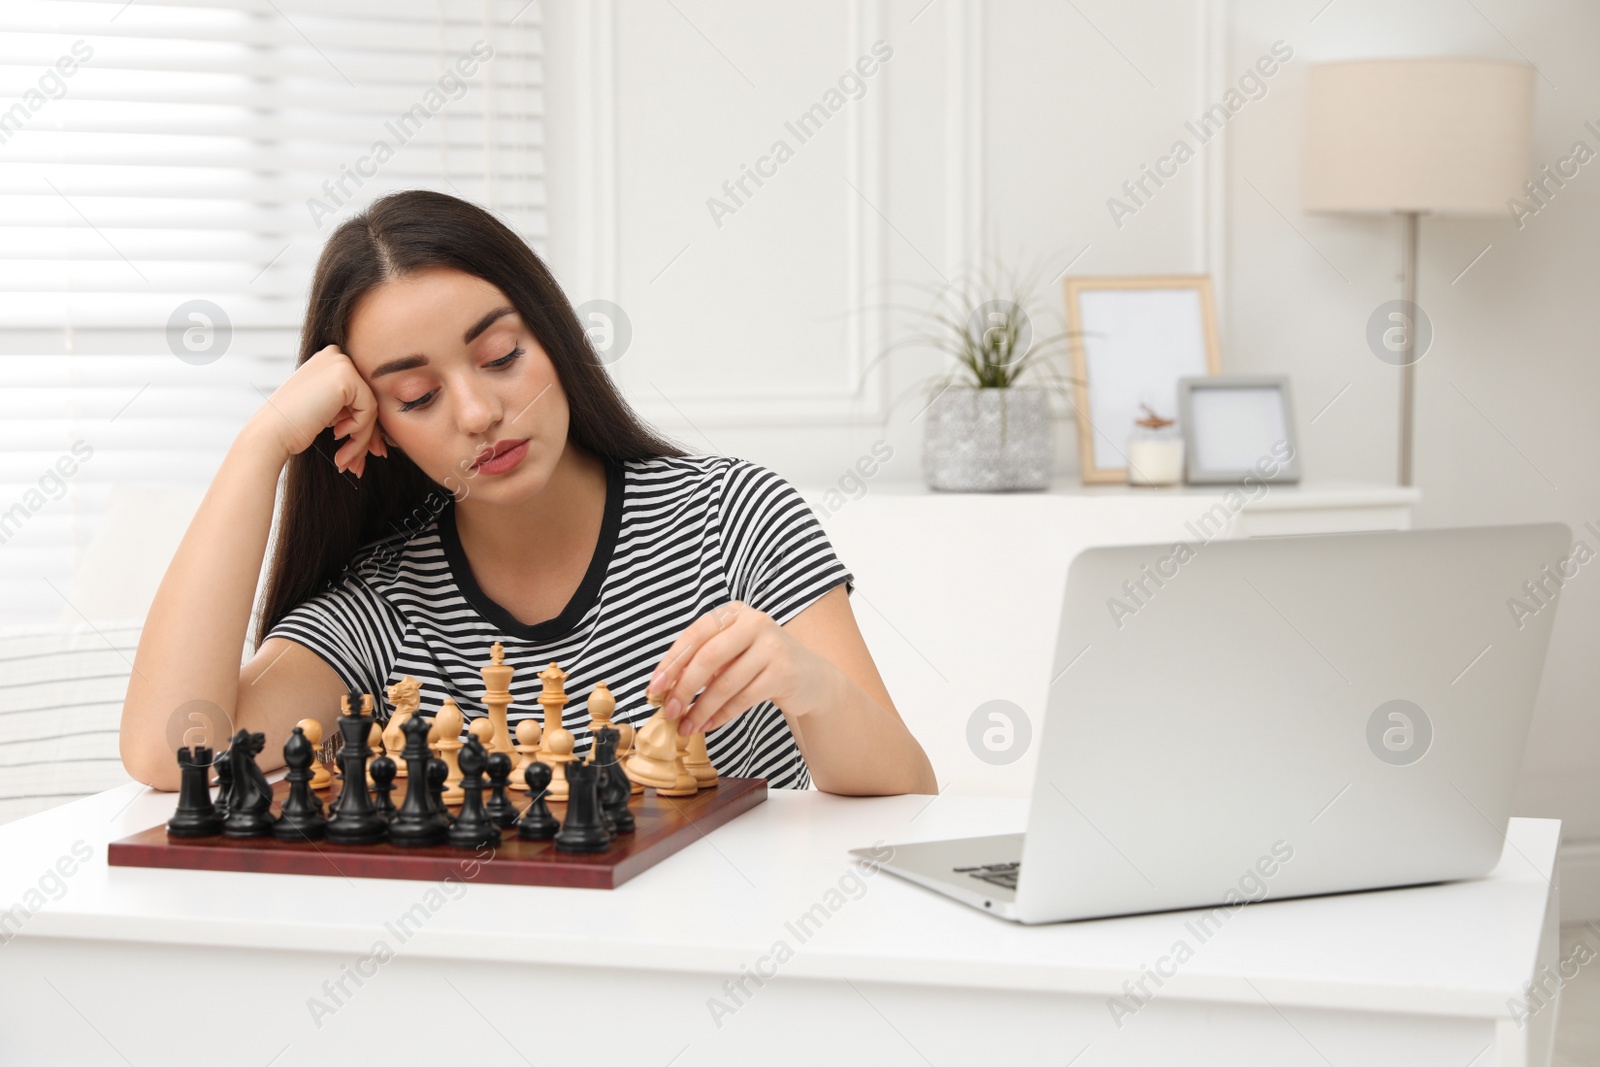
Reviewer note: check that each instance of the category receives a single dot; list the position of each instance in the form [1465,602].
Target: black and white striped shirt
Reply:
[680,536]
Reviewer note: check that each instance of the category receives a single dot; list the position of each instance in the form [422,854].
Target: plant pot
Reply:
[983,440]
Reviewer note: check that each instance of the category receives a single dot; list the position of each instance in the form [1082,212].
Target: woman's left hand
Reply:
[741,657]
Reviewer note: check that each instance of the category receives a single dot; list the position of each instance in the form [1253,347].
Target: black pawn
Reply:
[414,822]
[615,788]
[438,772]
[195,815]
[538,824]
[302,818]
[472,827]
[224,782]
[383,772]
[583,830]
[355,821]
[249,795]
[502,810]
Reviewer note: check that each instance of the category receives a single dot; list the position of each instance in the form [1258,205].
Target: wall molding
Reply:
[1211,204]
[862,397]
[965,236]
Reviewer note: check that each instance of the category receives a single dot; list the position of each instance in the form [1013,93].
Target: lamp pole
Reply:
[1408,369]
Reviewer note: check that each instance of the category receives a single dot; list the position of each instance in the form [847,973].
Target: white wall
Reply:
[998,126]
[1004,126]
[1506,403]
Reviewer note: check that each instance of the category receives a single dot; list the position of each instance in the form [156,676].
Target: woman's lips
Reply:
[504,461]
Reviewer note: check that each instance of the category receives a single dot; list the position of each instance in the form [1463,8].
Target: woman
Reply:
[492,485]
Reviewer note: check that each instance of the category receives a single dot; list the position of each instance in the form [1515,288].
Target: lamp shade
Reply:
[1450,136]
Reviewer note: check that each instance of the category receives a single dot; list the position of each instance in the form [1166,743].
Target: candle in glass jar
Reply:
[1155,460]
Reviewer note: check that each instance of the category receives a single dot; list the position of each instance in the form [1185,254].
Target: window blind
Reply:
[169,172]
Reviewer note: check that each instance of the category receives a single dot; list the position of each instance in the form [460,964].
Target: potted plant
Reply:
[987,420]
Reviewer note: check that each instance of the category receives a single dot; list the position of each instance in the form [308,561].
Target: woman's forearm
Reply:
[190,647]
[855,746]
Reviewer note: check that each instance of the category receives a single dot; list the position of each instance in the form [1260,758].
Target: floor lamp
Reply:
[1417,137]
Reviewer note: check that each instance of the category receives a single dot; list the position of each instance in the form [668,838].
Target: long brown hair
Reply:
[328,515]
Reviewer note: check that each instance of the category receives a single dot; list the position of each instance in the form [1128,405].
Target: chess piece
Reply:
[249,796]
[355,821]
[603,754]
[320,778]
[406,696]
[472,827]
[537,823]
[302,818]
[483,730]
[627,745]
[583,830]
[614,787]
[224,771]
[497,698]
[446,739]
[195,815]
[528,732]
[374,749]
[438,771]
[556,743]
[347,703]
[655,761]
[602,705]
[500,807]
[352,703]
[382,773]
[697,761]
[413,823]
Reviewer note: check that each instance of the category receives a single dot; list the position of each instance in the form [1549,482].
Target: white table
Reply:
[147,966]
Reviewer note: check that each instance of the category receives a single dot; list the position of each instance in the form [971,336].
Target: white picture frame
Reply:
[1131,340]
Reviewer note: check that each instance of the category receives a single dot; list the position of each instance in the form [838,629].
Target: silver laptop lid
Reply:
[1273,717]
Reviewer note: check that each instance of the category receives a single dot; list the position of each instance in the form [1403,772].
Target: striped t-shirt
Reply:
[680,535]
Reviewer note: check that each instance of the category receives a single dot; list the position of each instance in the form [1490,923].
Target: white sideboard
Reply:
[959,594]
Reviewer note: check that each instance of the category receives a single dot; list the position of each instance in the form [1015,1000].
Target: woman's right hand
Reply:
[326,390]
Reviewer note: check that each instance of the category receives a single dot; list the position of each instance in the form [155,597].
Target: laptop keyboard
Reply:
[1001,874]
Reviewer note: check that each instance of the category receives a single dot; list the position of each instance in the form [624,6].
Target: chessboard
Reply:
[591,821]
[663,825]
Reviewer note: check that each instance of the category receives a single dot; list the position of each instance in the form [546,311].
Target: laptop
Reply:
[1243,720]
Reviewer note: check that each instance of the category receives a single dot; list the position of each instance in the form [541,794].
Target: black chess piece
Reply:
[438,772]
[224,782]
[614,788]
[472,827]
[355,821]
[501,809]
[195,815]
[383,773]
[414,822]
[302,818]
[537,823]
[583,830]
[249,796]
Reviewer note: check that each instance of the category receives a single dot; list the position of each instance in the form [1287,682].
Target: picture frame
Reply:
[1237,427]
[1131,338]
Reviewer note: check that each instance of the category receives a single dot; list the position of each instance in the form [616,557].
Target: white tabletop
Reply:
[1461,948]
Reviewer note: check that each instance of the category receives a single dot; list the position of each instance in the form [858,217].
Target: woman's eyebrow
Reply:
[394,366]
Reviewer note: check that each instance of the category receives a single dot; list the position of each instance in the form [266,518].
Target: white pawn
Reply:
[528,735]
[445,736]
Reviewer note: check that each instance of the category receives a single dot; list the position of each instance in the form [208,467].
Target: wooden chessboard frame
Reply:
[664,825]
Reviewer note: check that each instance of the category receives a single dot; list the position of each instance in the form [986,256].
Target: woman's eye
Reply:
[504,361]
[507,359]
